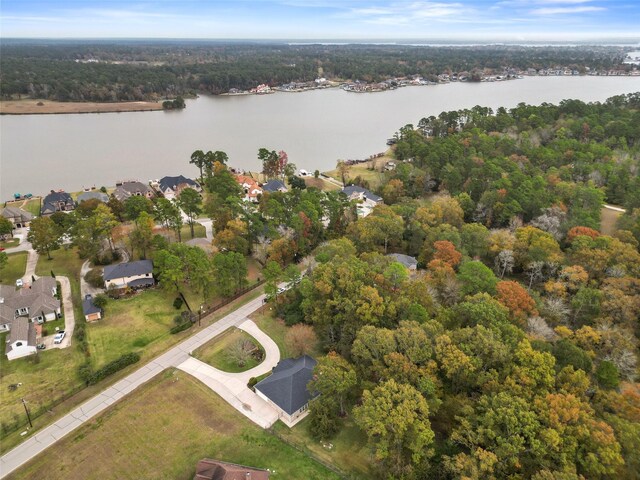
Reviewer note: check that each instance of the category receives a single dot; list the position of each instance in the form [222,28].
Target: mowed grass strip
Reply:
[216,351]
[161,431]
[14,269]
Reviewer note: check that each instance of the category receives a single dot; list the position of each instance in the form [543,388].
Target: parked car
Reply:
[59,336]
[41,346]
[19,283]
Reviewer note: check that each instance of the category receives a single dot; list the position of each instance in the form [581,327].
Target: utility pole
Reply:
[27,411]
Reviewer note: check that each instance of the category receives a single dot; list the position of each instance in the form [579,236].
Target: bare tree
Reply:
[301,340]
[504,262]
[241,352]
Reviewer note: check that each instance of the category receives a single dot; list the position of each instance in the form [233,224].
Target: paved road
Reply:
[172,358]
[85,287]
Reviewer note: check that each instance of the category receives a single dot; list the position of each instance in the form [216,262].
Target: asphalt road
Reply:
[174,357]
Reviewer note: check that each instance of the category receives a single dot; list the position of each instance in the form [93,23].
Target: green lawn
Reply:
[348,450]
[14,269]
[276,328]
[44,377]
[132,324]
[14,242]
[161,431]
[32,205]
[216,351]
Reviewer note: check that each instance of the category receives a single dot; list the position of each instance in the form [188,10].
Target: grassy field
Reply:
[371,171]
[35,106]
[161,431]
[14,242]
[14,268]
[131,324]
[44,377]
[348,450]
[216,351]
[31,205]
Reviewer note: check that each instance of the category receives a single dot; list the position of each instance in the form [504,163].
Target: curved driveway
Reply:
[232,387]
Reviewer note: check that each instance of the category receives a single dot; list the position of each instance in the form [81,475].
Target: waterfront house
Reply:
[250,188]
[366,200]
[57,202]
[208,469]
[131,189]
[129,274]
[274,186]
[90,310]
[410,262]
[18,217]
[36,302]
[286,388]
[22,339]
[100,196]
[171,187]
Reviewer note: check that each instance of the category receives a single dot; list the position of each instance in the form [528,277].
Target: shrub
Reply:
[181,327]
[94,277]
[85,371]
[113,367]
[252,382]
[177,303]
[100,301]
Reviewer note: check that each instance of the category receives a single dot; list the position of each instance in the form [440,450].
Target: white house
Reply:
[171,187]
[130,274]
[366,200]
[22,339]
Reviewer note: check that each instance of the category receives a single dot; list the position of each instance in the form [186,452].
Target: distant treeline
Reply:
[105,72]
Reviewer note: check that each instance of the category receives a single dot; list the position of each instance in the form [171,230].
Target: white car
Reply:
[19,283]
[59,336]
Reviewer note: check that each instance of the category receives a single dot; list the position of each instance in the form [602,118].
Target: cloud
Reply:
[565,10]
[403,13]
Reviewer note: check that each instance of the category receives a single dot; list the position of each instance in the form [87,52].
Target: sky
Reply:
[491,20]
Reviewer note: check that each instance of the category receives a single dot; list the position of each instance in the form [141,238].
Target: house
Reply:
[84,196]
[130,274]
[366,200]
[89,309]
[57,202]
[18,217]
[132,189]
[22,339]
[410,262]
[36,302]
[171,187]
[208,469]
[250,187]
[274,186]
[286,388]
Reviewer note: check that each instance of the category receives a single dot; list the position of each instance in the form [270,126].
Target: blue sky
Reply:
[508,20]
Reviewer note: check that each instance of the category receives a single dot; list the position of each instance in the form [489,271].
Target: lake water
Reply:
[43,152]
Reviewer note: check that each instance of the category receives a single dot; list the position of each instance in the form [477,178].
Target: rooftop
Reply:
[287,384]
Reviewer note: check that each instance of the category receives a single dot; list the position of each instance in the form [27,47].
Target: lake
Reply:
[316,128]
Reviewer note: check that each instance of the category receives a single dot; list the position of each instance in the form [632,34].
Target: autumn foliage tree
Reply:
[577,231]
[300,340]
[446,252]
[514,296]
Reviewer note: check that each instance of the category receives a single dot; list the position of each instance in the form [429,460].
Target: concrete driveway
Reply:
[232,387]
[85,287]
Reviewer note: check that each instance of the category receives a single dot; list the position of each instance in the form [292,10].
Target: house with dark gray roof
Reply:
[410,262]
[22,339]
[90,310]
[129,274]
[366,200]
[57,202]
[171,187]
[18,217]
[274,186]
[286,388]
[36,302]
[84,196]
[132,189]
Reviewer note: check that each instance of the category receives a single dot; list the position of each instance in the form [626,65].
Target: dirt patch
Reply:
[34,107]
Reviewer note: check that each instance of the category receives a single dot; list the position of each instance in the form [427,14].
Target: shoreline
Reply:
[49,107]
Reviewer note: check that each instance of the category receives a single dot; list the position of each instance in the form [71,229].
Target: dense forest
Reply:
[512,351]
[116,71]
